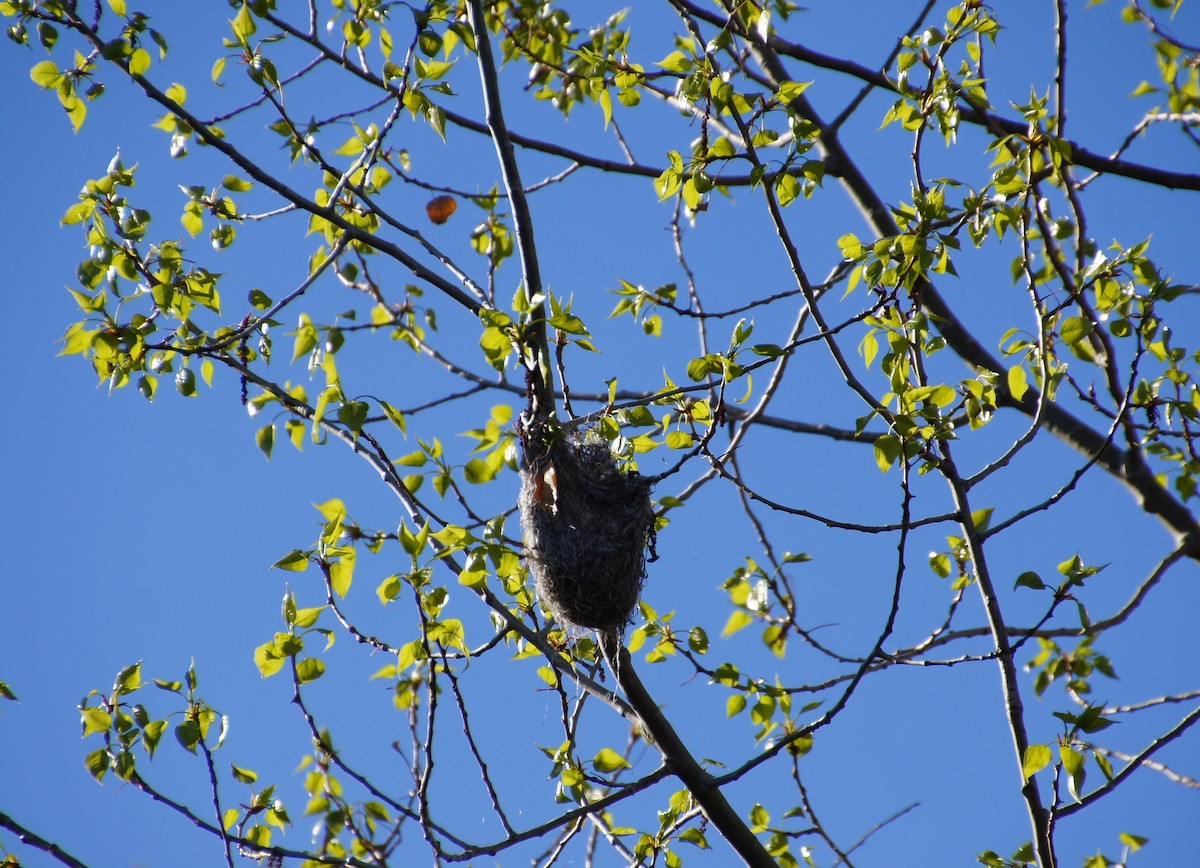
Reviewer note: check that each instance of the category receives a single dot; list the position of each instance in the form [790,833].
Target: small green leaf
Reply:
[97,763]
[787,189]
[268,659]
[187,733]
[676,61]
[265,439]
[305,618]
[1133,842]
[1075,329]
[679,440]
[608,760]
[353,414]
[295,561]
[139,62]
[46,74]
[981,518]
[887,450]
[388,589]
[1029,580]
[737,621]
[341,573]
[96,720]
[941,564]
[234,184]
[478,472]
[394,416]
[130,678]
[244,776]
[1018,384]
[244,25]
[309,669]
[1037,757]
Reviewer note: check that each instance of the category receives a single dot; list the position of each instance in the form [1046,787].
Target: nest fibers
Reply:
[587,526]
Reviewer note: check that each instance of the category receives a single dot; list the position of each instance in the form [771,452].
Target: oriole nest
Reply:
[587,526]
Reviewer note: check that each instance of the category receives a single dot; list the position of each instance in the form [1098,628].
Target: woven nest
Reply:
[587,526]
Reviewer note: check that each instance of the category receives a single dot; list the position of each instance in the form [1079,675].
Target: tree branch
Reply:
[34,840]
[659,732]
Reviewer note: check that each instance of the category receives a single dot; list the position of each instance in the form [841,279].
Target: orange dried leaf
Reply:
[440,208]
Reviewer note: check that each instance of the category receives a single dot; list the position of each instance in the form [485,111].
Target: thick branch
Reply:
[542,392]
[1125,466]
[34,840]
[1080,156]
[662,735]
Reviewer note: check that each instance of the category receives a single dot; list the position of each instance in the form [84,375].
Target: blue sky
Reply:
[146,532]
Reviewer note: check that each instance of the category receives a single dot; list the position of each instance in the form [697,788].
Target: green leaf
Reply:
[306,337]
[243,25]
[130,678]
[97,763]
[46,74]
[395,417]
[1075,329]
[676,61]
[353,414]
[1037,757]
[341,574]
[1133,842]
[305,618]
[235,184]
[244,776]
[941,564]
[735,704]
[478,471]
[152,733]
[188,734]
[388,589]
[887,450]
[295,561]
[139,62]
[309,669]
[608,760]
[265,439]
[679,440]
[1029,580]
[96,720]
[268,659]
[605,101]
[1018,384]
[1073,764]
[787,189]
[981,518]
[737,621]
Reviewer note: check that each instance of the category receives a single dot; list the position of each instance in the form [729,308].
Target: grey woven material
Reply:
[586,526]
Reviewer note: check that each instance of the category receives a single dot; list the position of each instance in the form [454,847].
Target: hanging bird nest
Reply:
[587,526]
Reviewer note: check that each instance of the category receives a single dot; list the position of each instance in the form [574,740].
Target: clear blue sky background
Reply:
[146,532]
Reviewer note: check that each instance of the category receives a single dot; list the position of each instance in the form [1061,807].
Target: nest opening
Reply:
[587,525]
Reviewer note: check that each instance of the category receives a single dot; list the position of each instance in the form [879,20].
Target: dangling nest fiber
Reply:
[587,526]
